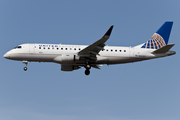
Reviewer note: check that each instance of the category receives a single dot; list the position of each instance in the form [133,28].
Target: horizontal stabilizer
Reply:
[164,49]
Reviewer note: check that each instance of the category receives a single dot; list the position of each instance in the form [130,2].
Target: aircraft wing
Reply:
[92,50]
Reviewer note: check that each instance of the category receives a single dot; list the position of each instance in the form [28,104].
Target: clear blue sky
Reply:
[147,90]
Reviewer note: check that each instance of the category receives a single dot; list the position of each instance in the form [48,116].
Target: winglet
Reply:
[108,33]
[94,49]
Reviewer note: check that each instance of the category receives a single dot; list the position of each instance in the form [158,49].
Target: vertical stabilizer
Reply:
[160,38]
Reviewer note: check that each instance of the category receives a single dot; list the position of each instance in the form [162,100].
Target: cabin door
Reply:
[31,48]
[131,52]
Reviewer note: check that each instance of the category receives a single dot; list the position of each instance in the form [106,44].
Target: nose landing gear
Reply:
[25,62]
[25,68]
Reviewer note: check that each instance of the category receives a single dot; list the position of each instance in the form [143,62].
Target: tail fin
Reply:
[160,38]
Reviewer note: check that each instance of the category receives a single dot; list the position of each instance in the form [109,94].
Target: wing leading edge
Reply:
[92,50]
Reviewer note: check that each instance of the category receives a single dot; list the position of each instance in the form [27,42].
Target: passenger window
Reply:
[74,48]
[119,50]
[44,47]
[39,47]
[66,48]
[111,50]
[115,50]
[79,48]
[124,50]
[61,48]
[48,48]
[57,48]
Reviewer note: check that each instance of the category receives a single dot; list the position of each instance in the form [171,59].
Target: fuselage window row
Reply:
[114,50]
[59,48]
[76,49]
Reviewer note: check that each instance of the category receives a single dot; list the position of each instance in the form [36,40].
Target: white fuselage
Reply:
[73,57]
[68,54]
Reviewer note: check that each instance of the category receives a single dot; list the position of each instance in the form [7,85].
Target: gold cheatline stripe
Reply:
[35,53]
[61,54]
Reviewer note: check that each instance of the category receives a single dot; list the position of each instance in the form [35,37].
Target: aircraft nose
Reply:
[6,56]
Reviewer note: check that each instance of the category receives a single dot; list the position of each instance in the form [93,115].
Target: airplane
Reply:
[73,57]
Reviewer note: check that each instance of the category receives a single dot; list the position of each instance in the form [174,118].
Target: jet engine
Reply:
[69,57]
[66,58]
[69,67]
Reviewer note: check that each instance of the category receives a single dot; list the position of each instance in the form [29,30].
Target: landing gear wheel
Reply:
[25,62]
[25,68]
[87,72]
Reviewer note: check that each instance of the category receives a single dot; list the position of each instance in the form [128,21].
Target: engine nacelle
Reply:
[69,67]
[69,57]
[66,58]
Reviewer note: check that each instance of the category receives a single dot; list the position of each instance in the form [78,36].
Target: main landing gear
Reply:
[25,62]
[88,67]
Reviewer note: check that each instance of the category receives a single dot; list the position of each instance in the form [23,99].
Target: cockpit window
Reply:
[18,47]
